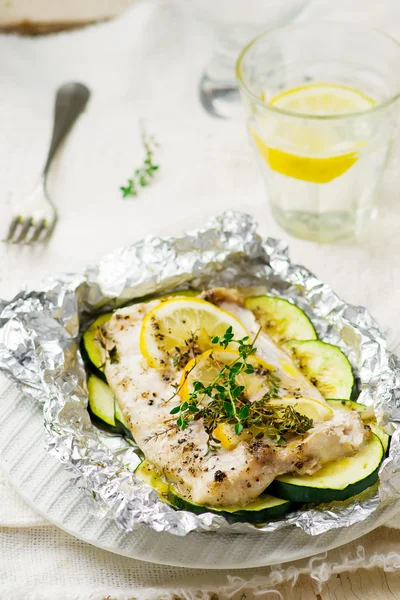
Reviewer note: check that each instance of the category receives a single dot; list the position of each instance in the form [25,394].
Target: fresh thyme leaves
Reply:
[224,400]
[277,422]
[191,407]
[142,177]
[190,350]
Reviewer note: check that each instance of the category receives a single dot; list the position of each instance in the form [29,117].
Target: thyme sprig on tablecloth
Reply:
[143,176]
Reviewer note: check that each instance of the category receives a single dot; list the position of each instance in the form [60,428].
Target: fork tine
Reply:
[26,227]
[13,228]
[50,230]
[40,228]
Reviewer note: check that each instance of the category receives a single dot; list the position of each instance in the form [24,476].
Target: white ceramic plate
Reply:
[46,486]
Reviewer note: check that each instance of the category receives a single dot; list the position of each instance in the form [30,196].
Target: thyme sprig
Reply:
[143,176]
[225,401]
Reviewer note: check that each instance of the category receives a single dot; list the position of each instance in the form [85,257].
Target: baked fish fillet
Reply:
[220,477]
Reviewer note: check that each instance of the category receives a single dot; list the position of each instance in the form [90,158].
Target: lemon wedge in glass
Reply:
[311,150]
[177,329]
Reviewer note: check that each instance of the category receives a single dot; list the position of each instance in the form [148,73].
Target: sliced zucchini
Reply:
[91,348]
[382,435]
[262,510]
[120,420]
[281,319]
[337,480]
[147,473]
[102,404]
[325,365]
[104,408]
[367,415]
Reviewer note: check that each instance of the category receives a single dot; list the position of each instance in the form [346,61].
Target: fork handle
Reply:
[71,100]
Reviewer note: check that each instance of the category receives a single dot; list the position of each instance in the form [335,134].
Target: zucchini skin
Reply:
[90,366]
[241,515]
[305,492]
[87,337]
[307,495]
[119,428]
[98,388]
[102,424]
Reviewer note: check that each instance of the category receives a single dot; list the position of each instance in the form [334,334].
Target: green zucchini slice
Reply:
[367,416]
[102,404]
[337,480]
[382,435]
[92,351]
[262,510]
[281,319]
[104,408]
[325,365]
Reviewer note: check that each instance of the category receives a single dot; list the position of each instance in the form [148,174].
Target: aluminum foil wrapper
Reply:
[39,350]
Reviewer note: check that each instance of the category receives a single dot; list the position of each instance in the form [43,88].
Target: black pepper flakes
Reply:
[219,476]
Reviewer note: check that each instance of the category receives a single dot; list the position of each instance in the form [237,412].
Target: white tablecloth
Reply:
[146,65]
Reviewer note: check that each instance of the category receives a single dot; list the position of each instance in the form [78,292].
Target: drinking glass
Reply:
[323,171]
[235,23]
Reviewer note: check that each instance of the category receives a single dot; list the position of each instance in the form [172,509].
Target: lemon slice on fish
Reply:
[317,410]
[208,366]
[176,330]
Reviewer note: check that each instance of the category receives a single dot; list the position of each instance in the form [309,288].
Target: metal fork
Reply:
[34,219]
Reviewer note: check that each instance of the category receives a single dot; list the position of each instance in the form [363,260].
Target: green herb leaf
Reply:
[198,386]
[238,428]
[143,176]
[244,412]
[228,408]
